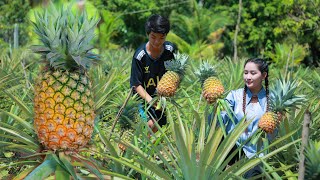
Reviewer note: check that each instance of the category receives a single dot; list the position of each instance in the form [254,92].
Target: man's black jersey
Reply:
[147,71]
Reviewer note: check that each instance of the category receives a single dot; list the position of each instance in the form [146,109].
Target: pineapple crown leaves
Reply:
[205,71]
[66,38]
[129,113]
[178,64]
[283,96]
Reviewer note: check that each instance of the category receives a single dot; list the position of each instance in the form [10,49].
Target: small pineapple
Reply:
[63,103]
[268,122]
[169,82]
[126,136]
[212,86]
[282,98]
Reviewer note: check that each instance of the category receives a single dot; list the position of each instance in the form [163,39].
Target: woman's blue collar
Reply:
[260,95]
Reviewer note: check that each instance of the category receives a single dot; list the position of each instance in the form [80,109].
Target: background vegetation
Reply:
[286,32]
[267,28]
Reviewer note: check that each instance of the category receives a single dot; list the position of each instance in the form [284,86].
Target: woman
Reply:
[251,102]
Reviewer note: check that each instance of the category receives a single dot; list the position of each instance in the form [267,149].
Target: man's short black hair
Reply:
[157,24]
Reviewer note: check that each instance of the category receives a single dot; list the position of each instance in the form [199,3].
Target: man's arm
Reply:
[143,93]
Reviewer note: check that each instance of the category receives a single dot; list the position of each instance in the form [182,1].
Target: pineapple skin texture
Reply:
[268,122]
[127,136]
[212,89]
[63,107]
[168,84]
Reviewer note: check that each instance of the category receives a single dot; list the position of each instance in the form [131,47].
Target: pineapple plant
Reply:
[212,87]
[63,102]
[312,162]
[281,100]
[127,120]
[170,81]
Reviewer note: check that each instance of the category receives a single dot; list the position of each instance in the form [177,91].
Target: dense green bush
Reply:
[266,23]
[14,12]
[135,13]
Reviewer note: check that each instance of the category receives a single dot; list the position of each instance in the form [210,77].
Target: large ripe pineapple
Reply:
[63,103]
[282,98]
[169,82]
[212,88]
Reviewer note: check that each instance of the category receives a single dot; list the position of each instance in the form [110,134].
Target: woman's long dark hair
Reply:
[263,67]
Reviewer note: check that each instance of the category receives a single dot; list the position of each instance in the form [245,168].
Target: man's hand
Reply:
[152,126]
[155,104]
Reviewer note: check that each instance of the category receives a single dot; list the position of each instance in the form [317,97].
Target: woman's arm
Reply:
[224,115]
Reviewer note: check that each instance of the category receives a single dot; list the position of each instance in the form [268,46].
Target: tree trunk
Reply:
[120,111]
[235,53]
[16,36]
[304,143]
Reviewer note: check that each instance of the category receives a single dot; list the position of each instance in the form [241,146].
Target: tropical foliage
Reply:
[188,147]
[13,22]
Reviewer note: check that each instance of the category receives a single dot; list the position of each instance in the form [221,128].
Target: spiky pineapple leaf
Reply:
[274,174]
[64,160]
[24,173]
[313,160]
[94,169]
[66,38]
[21,104]
[129,114]
[111,149]
[205,71]
[43,170]
[18,133]
[61,173]
[283,95]
[21,121]
[255,161]
[143,160]
[178,64]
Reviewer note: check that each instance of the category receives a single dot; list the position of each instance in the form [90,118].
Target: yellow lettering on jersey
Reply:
[158,79]
[146,69]
[151,82]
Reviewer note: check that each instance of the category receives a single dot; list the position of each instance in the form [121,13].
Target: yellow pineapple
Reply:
[63,103]
[268,122]
[169,82]
[282,98]
[212,88]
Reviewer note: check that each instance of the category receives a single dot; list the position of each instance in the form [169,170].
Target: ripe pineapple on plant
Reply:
[212,87]
[63,103]
[281,99]
[170,81]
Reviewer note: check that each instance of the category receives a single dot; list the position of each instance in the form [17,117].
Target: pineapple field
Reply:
[67,110]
